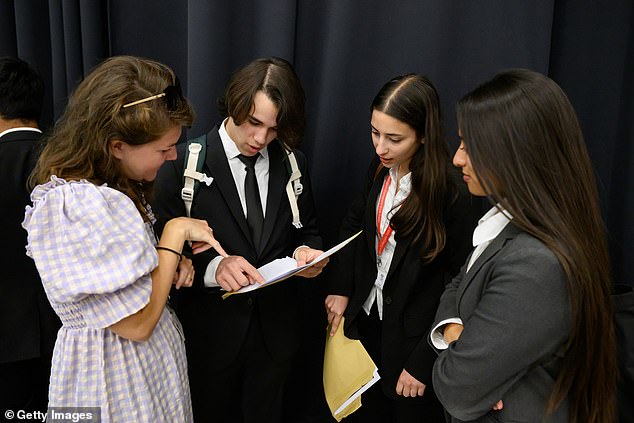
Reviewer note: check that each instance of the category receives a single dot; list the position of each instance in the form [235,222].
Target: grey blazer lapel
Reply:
[216,162]
[509,232]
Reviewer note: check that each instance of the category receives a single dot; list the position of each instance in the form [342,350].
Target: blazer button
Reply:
[388,300]
[250,301]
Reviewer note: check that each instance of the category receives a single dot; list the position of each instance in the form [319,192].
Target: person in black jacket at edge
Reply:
[28,325]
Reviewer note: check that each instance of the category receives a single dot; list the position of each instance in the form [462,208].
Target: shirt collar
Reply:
[405,184]
[229,145]
[22,128]
[491,224]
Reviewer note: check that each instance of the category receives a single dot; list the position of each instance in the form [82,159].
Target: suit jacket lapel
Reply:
[278,177]
[509,232]
[370,223]
[218,167]
[402,245]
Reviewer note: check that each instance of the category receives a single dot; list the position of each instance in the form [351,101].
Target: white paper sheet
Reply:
[286,267]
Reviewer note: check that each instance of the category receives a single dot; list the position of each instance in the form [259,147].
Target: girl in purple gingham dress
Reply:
[120,349]
[95,255]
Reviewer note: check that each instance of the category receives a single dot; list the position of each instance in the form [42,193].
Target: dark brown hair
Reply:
[413,100]
[277,79]
[79,144]
[21,90]
[528,152]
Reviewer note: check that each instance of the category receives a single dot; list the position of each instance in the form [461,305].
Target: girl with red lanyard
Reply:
[417,221]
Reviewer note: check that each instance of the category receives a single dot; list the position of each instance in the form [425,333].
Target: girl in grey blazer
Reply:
[525,330]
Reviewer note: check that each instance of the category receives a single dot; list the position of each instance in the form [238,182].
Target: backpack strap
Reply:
[195,154]
[294,187]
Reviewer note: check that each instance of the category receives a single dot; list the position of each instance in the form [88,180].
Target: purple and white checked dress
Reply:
[95,254]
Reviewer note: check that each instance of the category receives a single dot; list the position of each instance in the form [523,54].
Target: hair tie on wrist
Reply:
[180,256]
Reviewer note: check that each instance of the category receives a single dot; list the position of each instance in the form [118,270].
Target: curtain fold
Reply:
[344,51]
[592,58]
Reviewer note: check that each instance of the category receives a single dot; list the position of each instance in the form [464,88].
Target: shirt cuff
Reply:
[210,273]
[436,335]
[297,249]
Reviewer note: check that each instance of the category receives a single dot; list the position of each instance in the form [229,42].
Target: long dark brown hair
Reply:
[79,144]
[412,99]
[528,152]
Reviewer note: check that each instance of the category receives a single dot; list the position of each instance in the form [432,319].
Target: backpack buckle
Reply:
[298,188]
[187,194]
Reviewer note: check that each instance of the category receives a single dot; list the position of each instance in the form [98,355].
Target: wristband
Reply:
[180,256]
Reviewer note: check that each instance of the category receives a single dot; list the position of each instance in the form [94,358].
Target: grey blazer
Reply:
[514,305]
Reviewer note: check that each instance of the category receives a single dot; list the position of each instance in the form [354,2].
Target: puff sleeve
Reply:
[92,249]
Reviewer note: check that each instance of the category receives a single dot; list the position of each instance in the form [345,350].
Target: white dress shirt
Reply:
[239,175]
[393,201]
[489,227]
[238,169]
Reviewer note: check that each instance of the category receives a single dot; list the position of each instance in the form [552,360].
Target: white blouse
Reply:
[393,201]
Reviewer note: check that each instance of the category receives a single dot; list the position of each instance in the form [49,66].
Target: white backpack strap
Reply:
[294,188]
[192,176]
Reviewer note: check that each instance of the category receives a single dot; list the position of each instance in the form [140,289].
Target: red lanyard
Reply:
[388,231]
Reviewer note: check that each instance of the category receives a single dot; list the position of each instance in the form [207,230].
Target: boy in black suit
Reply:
[240,349]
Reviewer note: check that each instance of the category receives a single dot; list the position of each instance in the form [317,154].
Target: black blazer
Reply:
[412,288]
[28,325]
[215,328]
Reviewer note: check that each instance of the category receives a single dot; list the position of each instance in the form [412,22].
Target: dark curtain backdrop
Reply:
[343,51]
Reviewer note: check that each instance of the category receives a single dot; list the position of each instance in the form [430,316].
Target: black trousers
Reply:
[377,407]
[24,384]
[248,390]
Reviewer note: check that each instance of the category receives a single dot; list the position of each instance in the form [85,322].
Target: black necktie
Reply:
[255,217]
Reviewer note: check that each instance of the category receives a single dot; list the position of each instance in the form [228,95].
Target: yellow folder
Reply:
[348,372]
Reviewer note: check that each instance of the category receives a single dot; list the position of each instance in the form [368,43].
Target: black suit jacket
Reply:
[412,288]
[215,329]
[28,325]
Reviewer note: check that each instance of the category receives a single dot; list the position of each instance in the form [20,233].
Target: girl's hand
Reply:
[452,332]
[408,386]
[335,307]
[199,232]
[184,275]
